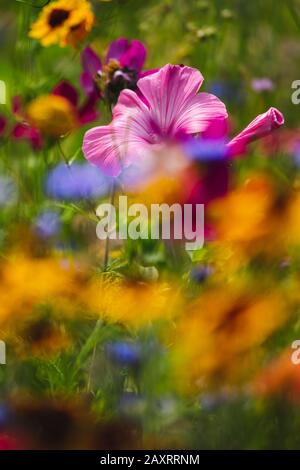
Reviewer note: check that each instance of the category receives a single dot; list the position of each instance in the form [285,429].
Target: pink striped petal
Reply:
[174,103]
[199,112]
[110,149]
[260,127]
[129,103]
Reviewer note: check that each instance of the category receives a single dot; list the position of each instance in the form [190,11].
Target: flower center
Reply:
[112,67]
[117,79]
[57,17]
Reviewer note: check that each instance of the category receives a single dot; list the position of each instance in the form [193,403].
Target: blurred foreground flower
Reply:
[124,353]
[262,84]
[47,223]
[60,422]
[28,282]
[219,332]
[77,181]
[63,22]
[258,217]
[279,378]
[39,336]
[134,304]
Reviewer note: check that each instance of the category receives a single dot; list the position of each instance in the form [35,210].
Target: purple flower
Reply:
[205,150]
[87,111]
[47,224]
[3,125]
[78,181]
[130,54]
[200,273]
[262,84]
[22,131]
[124,353]
[122,68]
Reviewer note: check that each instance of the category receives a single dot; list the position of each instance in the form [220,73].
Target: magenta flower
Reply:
[122,68]
[170,106]
[85,113]
[130,55]
[3,125]
[23,131]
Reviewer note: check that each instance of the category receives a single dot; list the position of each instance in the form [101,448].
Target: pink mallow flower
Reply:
[167,106]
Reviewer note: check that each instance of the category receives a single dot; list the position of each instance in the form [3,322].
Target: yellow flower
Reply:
[243,216]
[221,331]
[132,303]
[63,22]
[53,115]
[29,282]
[279,376]
[39,336]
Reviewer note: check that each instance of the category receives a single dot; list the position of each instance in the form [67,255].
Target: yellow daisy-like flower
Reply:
[133,304]
[28,282]
[38,337]
[53,115]
[64,22]
[221,332]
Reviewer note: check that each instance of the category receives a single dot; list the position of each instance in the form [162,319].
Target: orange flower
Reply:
[133,304]
[221,331]
[28,282]
[281,376]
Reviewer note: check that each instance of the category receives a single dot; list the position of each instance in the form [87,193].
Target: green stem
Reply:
[62,153]
[107,241]
[293,12]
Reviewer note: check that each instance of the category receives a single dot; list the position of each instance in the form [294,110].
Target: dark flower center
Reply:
[119,80]
[57,17]
[39,331]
